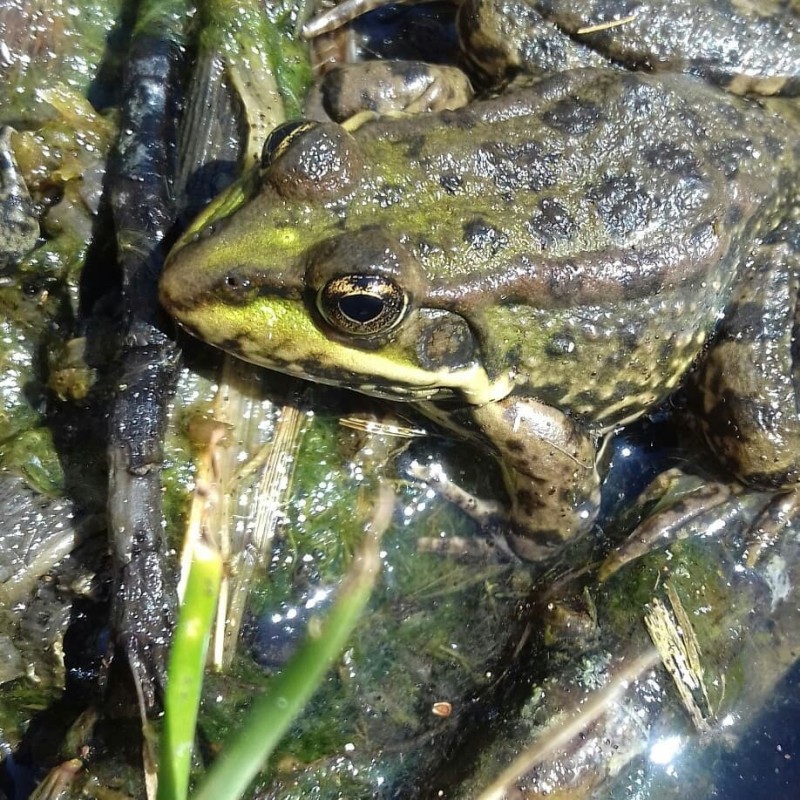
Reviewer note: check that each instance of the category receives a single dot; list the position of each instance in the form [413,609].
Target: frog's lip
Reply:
[365,372]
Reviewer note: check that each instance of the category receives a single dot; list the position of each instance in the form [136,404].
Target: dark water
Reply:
[766,765]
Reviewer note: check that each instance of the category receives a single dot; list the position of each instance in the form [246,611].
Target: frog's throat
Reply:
[297,347]
[470,385]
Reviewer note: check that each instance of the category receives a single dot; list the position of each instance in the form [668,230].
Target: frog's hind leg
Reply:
[745,394]
[744,397]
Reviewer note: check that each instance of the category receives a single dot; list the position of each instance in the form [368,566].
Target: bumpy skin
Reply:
[562,252]
[744,45]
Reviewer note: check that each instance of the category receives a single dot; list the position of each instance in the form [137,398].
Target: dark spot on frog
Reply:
[586,398]
[634,285]
[388,195]
[527,503]
[480,235]
[410,72]
[728,154]
[734,216]
[232,345]
[622,204]
[415,145]
[673,158]
[550,222]
[627,389]
[630,339]
[462,119]
[527,165]
[573,116]
[637,97]
[451,183]
[773,145]
[560,345]
[610,9]
[445,341]
[368,101]
[743,321]
[787,233]
[731,115]
[564,282]
[514,446]
[666,349]
[550,392]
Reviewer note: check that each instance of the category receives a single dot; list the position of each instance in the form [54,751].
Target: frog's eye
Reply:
[362,305]
[281,138]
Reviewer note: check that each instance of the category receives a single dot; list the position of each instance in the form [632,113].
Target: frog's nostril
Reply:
[236,285]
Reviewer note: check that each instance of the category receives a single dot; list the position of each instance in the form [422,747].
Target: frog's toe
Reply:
[685,505]
[780,515]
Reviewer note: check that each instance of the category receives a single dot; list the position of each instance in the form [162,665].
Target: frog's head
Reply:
[267,274]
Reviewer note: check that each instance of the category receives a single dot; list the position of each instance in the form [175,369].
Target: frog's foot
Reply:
[353,94]
[778,516]
[549,470]
[487,513]
[484,512]
[548,464]
[687,505]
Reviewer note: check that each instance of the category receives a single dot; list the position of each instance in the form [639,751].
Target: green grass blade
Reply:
[272,714]
[185,673]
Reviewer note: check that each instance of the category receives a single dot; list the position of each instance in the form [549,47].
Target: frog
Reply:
[545,264]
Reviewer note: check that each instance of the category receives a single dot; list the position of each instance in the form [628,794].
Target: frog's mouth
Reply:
[276,334]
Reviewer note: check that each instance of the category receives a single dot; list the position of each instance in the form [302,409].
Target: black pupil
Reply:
[276,137]
[361,307]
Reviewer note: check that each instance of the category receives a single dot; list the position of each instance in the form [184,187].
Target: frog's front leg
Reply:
[548,463]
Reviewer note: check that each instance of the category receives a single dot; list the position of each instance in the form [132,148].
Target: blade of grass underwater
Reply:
[185,674]
[272,714]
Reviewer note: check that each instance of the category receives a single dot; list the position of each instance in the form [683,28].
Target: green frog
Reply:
[546,263]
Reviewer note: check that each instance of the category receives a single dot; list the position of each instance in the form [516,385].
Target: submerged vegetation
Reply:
[425,665]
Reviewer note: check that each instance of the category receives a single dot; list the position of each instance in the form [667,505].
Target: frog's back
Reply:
[604,216]
[575,241]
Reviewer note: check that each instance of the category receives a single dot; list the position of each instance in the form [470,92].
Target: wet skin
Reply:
[539,266]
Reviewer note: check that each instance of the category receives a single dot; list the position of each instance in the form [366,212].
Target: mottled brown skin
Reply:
[748,386]
[553,259]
